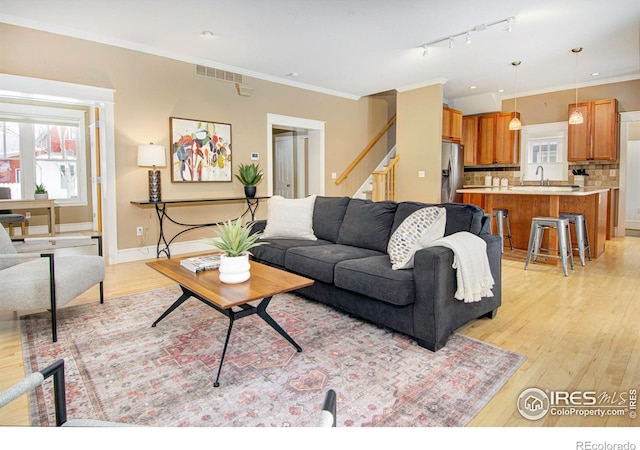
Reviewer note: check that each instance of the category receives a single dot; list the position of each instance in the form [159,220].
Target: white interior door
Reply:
[315,176]
[632,219]
[284,163]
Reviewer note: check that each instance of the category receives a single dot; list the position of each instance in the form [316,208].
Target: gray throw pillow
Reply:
[367,224]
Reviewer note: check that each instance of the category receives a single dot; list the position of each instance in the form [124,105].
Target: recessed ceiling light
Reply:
[207,34]
[473,87]
[293,74]
[595,74]
[500,90]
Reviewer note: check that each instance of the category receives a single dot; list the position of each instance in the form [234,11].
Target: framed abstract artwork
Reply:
[200,151]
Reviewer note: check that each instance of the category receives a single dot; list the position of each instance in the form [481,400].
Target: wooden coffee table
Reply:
[232,300]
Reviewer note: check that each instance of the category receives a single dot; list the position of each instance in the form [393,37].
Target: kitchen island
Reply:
[526,202]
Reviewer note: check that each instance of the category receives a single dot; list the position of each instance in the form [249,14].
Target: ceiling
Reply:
[355,48]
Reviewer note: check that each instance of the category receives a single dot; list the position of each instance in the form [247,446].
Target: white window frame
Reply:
[557,132]
[75,116]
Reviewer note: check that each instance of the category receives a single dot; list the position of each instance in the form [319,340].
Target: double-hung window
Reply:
[544,145]
[43,145]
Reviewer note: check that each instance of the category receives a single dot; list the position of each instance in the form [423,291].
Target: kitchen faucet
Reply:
[541,175]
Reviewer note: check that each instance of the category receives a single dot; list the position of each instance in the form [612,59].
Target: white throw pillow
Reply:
[290,218]
[414,233]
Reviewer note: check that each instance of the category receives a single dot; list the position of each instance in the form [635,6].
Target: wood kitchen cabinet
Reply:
[486,138]
[496,143]
[507,141]
[470,139]
[597,137]
[451,124]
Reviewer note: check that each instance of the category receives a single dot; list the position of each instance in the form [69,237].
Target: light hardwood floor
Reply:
[579,333]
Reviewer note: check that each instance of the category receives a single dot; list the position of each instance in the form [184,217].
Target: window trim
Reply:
[553,130]
[75,117]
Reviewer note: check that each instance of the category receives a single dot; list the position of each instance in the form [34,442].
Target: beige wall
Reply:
[634,131]
[419,140]
[554,106]
[150,89]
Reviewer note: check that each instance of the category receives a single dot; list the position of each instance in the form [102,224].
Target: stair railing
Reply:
[366,150]
[384,182]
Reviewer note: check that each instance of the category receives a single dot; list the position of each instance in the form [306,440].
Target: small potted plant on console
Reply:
[249,175]
[40,193]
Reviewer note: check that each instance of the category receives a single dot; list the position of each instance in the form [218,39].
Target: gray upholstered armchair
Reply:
[44,281]
[35,380]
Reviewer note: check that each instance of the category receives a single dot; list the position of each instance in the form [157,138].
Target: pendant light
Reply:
[576,116]
[515,124]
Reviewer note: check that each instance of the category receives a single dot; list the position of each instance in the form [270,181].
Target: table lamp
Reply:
[151,155]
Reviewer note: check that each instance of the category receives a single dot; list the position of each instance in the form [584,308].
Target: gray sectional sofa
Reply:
[352,270]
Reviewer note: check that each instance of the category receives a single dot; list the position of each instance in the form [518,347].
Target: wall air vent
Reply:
[218,74]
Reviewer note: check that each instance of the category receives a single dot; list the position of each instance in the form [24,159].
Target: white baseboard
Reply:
[124,255]
[632,224]
[149,252]
[61,228]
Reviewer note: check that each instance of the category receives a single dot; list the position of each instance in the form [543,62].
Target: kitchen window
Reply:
[544,151]
[43,145]
[544,145]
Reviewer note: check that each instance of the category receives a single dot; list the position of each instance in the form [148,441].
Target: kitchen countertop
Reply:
[580,192]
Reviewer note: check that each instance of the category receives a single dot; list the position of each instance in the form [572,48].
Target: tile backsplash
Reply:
[599,174]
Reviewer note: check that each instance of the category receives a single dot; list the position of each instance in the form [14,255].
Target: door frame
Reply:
[27,88]
[316,129]
[625,119]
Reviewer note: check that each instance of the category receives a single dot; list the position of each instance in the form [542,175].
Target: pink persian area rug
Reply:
[118,368]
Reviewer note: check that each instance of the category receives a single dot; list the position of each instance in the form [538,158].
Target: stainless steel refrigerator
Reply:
[452,172]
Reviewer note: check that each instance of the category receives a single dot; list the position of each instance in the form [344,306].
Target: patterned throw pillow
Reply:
[416,232]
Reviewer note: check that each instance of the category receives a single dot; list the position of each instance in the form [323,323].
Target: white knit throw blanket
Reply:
[471,263]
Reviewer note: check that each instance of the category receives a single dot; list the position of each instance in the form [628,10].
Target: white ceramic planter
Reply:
[234,269]
[44,196]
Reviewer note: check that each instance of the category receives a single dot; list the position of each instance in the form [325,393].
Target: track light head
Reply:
[509,26]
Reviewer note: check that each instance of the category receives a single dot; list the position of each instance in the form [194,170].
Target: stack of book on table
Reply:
[200,263]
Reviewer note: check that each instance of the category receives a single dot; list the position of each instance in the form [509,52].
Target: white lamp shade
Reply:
[150,155]
[515,124]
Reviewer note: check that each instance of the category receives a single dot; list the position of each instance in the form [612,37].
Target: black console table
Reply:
[161,212]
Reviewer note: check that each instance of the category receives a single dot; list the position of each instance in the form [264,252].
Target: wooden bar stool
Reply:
[502,216]
[561,225]
[582,234]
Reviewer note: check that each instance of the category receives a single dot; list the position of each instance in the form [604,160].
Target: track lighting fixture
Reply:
[467,33]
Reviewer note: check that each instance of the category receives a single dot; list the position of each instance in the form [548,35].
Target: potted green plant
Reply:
[40,193]
[235,240]
[249,175]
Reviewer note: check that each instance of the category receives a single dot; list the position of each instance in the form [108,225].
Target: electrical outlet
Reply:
[139,231]
[27,215]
